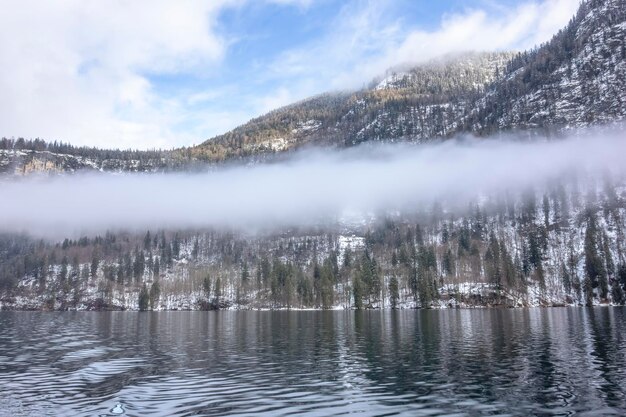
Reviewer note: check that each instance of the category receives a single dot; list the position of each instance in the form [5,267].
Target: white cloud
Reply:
[365,41]
[520,28]
[76,70]
[300,3]
[279,98]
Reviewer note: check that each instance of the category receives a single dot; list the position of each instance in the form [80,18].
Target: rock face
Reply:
[25,159]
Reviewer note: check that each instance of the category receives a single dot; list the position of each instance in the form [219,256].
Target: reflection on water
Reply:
[461,362]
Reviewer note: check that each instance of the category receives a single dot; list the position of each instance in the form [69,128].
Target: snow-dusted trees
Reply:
[507,250]
[594,265]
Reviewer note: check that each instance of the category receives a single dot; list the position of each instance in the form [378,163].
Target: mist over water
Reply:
[312,186]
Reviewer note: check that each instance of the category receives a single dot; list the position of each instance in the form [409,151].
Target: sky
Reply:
[147,74]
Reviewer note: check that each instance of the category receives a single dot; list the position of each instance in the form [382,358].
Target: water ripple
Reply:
[553,362]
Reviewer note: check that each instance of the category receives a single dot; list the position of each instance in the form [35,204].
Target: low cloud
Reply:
[313,186]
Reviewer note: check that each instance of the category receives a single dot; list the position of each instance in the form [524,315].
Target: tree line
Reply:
[563,244]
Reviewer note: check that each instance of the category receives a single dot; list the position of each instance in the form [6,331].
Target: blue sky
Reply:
[157,73]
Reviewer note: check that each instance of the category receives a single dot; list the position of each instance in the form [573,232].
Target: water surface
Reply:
[417,363]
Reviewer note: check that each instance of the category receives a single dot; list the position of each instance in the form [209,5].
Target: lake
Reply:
[519,362]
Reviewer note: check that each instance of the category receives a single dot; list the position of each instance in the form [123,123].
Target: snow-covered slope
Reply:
[562,244]
[576,79]
[417,103]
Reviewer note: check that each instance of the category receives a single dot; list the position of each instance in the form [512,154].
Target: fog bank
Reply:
[312,186]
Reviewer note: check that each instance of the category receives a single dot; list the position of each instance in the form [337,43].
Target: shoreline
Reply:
[281,309]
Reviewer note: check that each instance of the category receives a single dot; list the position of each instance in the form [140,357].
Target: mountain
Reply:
[560,243]
[418,103]
[574,80]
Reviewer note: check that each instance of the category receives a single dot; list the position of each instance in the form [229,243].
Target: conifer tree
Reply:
[394,294]
[594,265]
[217,292]
[95,262]
[245,275]
[357,292]
[206,286]
[147,241]
[144,298]
[155,294]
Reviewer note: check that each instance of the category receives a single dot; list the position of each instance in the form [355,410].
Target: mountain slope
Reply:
[418,103]
[574,80]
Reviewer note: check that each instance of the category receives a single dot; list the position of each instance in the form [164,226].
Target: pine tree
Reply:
[317,283]
[147,241]
[413,278]
[128,268]
[217,292]
[155,294]
[394,295]
[245,275]
[492,262]
[594,266]
[120,272]
[617,294]
[259,277]
[357,292]
[327,291]
[206,286]
[138,265]
[63,272]
[445,234]
[266,270]
[144,298]
[448,263]
[176,247]
[195,250]
[95,262]
[347,258]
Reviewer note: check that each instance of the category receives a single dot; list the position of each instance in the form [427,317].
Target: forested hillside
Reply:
[574,80]
[24,157]
[435,95]
[419,103]
[562,244]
